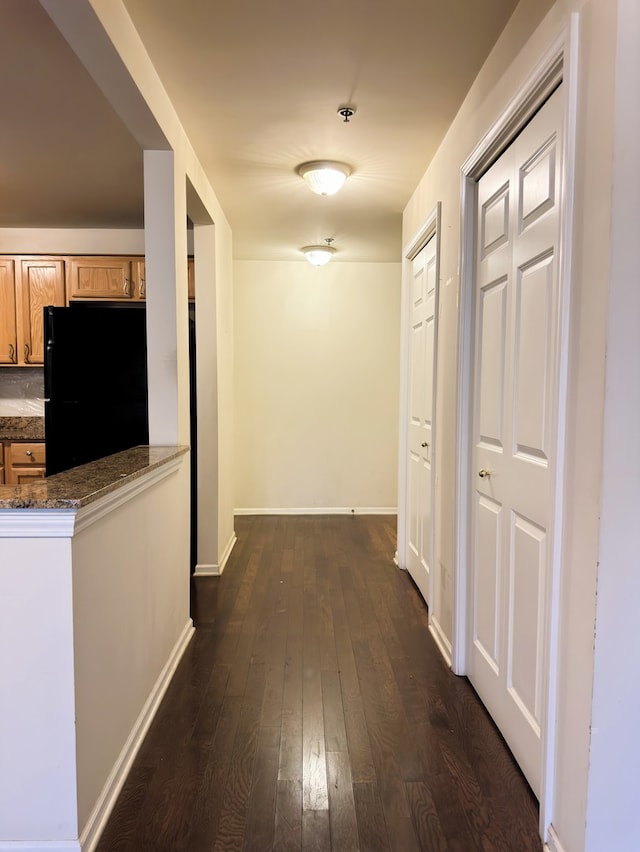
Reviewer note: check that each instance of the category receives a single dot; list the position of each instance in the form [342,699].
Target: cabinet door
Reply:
[25,462]
[138,278]
[25,475]
[8,341]
[191,279]
[100,278]
[40,283]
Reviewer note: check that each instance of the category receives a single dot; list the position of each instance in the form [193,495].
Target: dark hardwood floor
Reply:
[312,711]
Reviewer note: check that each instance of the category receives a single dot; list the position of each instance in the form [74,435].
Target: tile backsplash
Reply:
[21,391]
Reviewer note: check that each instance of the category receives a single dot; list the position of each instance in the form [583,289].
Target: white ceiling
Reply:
[257,86]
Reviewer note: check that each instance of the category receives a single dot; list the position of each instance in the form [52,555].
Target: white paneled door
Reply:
[423,306]
[514,419]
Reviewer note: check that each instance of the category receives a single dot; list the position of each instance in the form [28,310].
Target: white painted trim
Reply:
[91,513]
[65,523]
[226,553]
[40,846]
[553,843]
[561,391]
[37,523]
[321,510]
[440,638]
[429,228]
[107,799]
[560,63]
[204,570]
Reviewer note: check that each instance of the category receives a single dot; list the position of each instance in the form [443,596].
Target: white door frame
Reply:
[428,230]
[559,64]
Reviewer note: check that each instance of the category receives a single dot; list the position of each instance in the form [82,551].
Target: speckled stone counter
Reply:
[88,482]
[21,428]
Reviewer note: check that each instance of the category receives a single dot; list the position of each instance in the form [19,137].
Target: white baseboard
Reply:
[107,799]
[204,570]
[39,846]
[440,638]
[324,510]
[553,843]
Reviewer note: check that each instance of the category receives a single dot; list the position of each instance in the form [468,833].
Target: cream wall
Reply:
[523,44]
[317,385]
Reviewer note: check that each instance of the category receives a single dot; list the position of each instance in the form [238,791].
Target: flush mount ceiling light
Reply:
[319,255]
[324,177]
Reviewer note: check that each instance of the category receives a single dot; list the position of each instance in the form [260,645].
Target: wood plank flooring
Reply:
[312,711]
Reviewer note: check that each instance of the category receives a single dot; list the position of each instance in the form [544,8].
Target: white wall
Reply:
[614,799]
[71,241]
[526,39]
[317,385]
[130,608]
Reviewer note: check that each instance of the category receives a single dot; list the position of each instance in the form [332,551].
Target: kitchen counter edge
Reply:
[82,485]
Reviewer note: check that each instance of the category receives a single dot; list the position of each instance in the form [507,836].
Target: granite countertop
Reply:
[21,428]
[81,485]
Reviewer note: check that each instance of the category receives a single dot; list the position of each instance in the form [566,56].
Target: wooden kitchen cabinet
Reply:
[138,277]
[191,279]
[1,464]
[27,284]
[106,278]
[40,282]
[25,461]
[8,332]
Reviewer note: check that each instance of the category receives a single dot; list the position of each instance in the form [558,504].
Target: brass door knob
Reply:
[484,473]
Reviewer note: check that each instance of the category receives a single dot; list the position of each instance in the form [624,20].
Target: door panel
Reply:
[532,347]
[514,421]
[491,362]
[526,568]
[487,601]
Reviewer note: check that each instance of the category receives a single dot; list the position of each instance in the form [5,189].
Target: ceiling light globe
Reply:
[318,255]
[324,177]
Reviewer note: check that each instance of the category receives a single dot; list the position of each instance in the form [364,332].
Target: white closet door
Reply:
[424,289]
[514,420]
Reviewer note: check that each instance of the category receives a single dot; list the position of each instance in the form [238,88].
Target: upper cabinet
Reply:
[40,283]
[191,279]
[8,332]
[113,279]
[30,282]
[106,278]
[27,284]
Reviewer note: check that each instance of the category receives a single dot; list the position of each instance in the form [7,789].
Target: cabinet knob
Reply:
[28,453]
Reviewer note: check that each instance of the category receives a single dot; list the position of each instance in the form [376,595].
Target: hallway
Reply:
[312,711]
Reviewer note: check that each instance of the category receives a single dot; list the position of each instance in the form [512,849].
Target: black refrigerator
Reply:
[95,385]
[95,382]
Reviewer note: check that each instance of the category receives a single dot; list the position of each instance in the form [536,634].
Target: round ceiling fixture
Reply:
[324,177]
[319,255]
